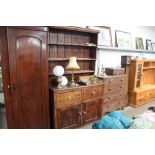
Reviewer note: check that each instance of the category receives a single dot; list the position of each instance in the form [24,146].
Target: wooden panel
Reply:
[60,52]
[68,117]
[68,38]
[29,80]
[74,38]
[6,78]
[68,52]
[68,98]
[92,92]
[61,37]
[53,52]
[75,51]
[53,37]
[91,111]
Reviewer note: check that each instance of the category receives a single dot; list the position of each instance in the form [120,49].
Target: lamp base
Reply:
[73,84]
[59,82]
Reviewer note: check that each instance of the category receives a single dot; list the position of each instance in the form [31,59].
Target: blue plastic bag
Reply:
[108,122]
[125,121]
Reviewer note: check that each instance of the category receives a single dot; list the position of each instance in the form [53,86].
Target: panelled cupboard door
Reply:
[69,117]
[91,111]
[29,77]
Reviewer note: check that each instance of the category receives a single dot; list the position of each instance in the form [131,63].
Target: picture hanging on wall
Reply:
[153,46]
[123,39]
[148,45]
[139,43]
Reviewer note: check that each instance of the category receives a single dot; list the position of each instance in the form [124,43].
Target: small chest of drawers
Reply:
[114,93]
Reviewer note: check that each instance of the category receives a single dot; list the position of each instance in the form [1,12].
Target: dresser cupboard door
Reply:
[29,77]
[69,117]
[91,111]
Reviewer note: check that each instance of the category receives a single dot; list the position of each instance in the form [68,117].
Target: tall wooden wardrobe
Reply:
[25,75]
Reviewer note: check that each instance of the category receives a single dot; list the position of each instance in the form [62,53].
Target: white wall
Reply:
[111,58]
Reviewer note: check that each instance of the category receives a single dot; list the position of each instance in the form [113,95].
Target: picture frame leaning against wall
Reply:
[148,45]
[123,39]
[139,43]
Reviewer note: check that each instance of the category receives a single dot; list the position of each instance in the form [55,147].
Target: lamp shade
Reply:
[58,70]
[72,64]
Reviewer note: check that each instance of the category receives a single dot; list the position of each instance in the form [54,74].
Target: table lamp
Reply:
[58,71]
[72,66]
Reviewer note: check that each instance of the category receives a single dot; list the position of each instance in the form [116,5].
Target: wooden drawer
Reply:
[114,105]
[121,79]
[92,92]
[115,96]
[114,80]
[109,80]
[108,89]
[68,98]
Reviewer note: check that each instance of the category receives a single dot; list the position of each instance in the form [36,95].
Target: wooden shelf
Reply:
[77,72]
[145,87]
[144,68]
[66,59]
[116,49]
[73,28]
[80,45]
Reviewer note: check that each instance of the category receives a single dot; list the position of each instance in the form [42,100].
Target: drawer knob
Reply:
[110,81]
[109,89]
[69,97]
[121,87]
[93,92]
[109,97]
[84,112]
[120,94]
[121,79]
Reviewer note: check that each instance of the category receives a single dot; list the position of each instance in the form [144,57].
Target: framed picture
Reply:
[123,39]
[105,37]
[153,46]
[148,45]
[139,43]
